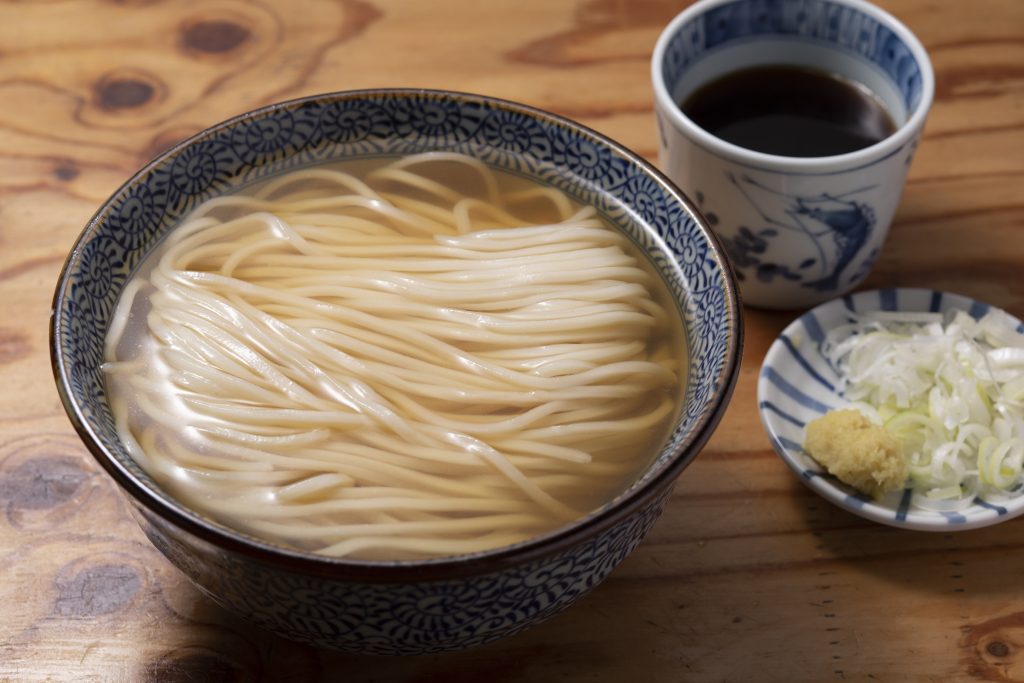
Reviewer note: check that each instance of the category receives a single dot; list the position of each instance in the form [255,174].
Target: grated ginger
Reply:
[857,451]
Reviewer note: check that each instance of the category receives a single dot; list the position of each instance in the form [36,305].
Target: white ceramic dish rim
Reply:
[812,395]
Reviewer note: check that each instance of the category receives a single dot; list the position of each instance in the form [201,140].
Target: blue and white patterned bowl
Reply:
[398,607]
[798,385]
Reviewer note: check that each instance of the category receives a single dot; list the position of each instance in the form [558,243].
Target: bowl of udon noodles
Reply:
[396,371]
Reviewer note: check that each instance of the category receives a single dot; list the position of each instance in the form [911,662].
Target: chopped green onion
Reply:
[950,389]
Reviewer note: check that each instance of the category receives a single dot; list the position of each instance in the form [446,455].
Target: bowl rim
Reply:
[167,509]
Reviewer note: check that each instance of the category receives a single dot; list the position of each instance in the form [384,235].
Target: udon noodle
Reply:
[419,359]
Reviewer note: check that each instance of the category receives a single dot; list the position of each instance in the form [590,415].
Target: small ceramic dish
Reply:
[797,385]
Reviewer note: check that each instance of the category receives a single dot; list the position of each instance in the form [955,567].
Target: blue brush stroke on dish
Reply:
[954,517]
[790,444]
[999,509]
[904,506]
[813,327]
[794,393]
[887,299]
[978,309]
[768,405]
[804,364]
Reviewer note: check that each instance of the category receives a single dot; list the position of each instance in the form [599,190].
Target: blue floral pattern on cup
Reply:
[837,225]
[479,600]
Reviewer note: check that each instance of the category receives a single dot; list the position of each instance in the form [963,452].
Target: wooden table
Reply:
[748,576]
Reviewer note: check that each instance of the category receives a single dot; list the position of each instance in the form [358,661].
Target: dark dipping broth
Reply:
[790,111]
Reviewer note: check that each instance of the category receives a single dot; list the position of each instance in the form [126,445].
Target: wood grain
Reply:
[747,577]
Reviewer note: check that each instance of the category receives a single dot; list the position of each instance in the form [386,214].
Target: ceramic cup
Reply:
[798,230]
